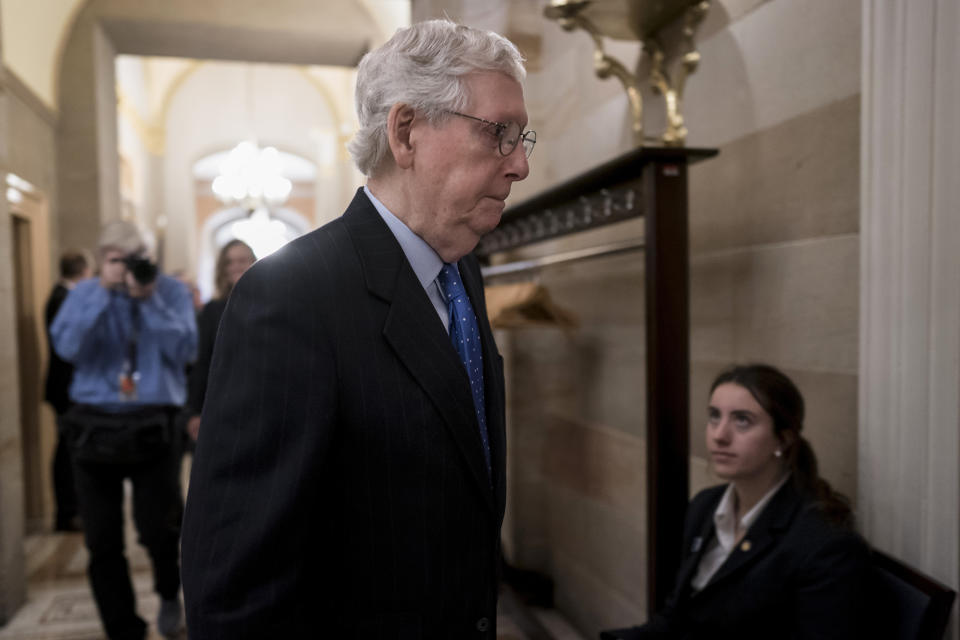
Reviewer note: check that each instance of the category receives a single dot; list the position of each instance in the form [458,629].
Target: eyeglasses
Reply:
[507,134]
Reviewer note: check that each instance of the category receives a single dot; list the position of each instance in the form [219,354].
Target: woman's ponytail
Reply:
[803,463]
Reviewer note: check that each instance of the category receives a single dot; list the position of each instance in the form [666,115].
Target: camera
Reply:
[143,271]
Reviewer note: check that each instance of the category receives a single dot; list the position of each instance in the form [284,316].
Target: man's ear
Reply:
[399,126]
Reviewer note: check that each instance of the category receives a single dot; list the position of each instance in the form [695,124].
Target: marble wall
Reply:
[774,275]
[26,149]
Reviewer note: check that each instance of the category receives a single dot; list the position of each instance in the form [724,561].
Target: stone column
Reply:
[87,175]
[909,432]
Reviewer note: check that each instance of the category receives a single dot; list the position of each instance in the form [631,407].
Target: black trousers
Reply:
[157,513]
[63,490]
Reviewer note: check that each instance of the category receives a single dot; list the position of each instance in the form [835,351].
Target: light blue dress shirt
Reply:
[421,256]
[92,330]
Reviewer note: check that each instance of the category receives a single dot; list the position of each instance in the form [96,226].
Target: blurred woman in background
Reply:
[233,260]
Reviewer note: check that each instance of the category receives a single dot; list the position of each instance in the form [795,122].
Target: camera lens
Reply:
[143,271]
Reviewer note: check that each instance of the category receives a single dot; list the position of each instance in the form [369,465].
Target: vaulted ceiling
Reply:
[35,35]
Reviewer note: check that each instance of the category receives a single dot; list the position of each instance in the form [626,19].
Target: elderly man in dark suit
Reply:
[349,478]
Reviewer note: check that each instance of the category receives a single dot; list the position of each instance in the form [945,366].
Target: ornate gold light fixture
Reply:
[646,21]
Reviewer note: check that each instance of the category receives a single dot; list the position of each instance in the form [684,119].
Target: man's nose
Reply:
[518,166]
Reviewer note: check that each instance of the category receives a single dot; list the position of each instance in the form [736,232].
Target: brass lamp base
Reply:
[642,20]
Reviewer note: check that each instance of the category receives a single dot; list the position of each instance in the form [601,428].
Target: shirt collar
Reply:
[421,256]
[723,517]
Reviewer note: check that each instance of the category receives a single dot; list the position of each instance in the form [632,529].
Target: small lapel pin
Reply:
[697,543]
[745,545]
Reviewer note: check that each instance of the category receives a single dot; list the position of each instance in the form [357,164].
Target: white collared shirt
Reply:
[721,544]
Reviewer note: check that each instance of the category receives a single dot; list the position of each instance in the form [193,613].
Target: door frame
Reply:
[29,206]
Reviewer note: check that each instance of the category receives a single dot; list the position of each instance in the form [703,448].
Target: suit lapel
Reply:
[698,547]
[416,334]
[771,524]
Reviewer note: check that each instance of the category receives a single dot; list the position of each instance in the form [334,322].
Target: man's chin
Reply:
[488,222]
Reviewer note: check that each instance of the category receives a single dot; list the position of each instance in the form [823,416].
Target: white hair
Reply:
[122,235]
[423,66]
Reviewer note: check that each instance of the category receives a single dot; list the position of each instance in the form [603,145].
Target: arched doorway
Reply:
[265,228]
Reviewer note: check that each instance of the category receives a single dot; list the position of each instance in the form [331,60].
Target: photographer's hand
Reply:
[137,290]
[113,270]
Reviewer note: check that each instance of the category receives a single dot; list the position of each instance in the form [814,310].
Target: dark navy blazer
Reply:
[339,487]
[793,575]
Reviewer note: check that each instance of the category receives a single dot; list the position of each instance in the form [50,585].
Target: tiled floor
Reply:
[60,607]
[59,604]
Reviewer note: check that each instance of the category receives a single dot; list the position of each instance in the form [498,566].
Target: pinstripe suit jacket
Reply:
[339,487]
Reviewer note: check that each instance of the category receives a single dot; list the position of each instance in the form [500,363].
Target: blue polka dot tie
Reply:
[465,335]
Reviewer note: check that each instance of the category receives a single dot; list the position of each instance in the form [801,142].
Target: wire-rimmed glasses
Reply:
[508,135]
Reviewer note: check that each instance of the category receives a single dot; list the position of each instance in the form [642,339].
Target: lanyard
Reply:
[130,376]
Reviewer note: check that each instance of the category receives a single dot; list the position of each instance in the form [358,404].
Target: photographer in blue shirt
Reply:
[129,334]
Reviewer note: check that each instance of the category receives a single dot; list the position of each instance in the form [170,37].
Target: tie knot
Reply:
[450,282]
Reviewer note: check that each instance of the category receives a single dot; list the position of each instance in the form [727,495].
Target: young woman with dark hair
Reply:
[772,553]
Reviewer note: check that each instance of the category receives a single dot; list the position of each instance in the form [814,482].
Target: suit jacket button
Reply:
[483,624]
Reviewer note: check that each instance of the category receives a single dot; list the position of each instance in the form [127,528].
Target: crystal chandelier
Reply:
[252,178]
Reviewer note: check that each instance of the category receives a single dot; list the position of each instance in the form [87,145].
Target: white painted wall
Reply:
[210,112]
[389,15]
[32,31]
[132,83]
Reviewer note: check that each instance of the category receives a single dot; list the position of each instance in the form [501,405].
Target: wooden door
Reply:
[31,278]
